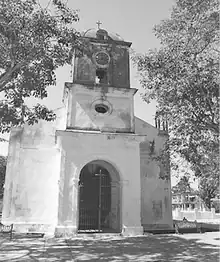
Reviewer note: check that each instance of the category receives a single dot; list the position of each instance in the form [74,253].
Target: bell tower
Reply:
[100,97]
[106,61]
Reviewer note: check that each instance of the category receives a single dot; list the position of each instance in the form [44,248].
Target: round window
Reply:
[101,108]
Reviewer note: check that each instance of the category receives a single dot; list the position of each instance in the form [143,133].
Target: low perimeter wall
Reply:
[195,214]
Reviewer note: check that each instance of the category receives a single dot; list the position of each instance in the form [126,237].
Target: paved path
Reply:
[149,248]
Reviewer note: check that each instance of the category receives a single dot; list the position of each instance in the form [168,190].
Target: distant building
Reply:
[216,203]
[186,198]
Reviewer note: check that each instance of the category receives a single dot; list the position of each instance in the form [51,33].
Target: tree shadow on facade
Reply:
[163,248]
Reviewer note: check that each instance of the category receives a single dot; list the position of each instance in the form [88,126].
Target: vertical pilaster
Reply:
[68,197]
[75,203]
[115,221]
[131,209]
[61,188]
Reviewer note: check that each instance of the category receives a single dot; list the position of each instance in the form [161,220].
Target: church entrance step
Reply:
[98,235]
[96,231]
[160,231]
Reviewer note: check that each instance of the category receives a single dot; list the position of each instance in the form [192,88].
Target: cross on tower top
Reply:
[98,23]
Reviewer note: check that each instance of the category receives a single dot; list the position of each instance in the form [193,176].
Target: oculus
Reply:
[101,108]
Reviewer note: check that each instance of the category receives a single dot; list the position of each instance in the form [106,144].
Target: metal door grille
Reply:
[94,200]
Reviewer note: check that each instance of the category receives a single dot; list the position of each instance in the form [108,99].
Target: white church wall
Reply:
[82,101]
[122,151]
[31,186]
[33,152]
[156,209]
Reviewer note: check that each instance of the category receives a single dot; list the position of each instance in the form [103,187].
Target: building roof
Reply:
[183,187]
[93,33]
[179,190]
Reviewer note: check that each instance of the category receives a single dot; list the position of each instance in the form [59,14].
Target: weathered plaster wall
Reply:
[82,114]
[122,151]
[44,167]
[156,208]
[31,186]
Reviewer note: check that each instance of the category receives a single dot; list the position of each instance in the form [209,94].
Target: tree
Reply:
[183,76]
[34,42]
[183,186]
[209,188]
[3,162]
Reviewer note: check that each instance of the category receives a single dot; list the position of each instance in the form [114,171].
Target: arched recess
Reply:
[99,199]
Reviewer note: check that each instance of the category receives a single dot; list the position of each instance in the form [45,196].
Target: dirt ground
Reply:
[158,248]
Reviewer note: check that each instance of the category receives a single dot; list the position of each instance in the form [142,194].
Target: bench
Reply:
[186,226]
[35,234]
[6,229]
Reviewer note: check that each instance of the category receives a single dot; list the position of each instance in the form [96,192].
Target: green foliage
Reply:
[183,76]
[183,186]
[3,162]
[34,42]
[209,188]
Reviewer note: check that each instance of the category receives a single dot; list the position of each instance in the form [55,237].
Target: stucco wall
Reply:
[44,166]
[31,186]
[122,151]
[156,209]
[82,113]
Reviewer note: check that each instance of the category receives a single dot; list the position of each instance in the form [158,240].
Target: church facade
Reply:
[93,169]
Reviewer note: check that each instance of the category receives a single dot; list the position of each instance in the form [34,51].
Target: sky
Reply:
[134,22]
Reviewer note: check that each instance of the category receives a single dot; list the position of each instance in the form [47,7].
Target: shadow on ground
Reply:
[160,248]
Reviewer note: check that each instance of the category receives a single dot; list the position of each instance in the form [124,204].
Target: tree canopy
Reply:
[183,186]
[209,188]
[183,76]
[34,42]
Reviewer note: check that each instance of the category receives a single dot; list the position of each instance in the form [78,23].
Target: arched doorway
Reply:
[99,198]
